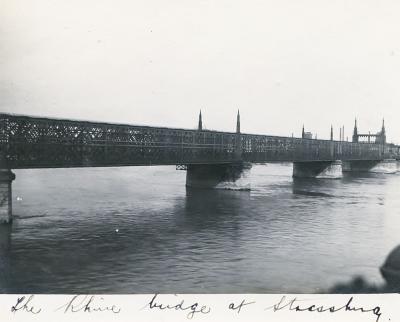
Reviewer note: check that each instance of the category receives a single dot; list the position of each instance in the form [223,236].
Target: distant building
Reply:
[378,138]
[306,135]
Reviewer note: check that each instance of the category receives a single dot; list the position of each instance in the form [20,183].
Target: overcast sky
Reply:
[157,62]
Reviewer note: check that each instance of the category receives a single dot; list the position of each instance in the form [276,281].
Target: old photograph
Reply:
[199,147]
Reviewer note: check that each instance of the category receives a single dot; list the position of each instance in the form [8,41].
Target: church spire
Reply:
[238,122]
[355,132]
[200,128]
[302,133]
[331,132]
[383,133]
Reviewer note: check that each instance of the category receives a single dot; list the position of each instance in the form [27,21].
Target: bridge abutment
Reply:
[313,169]
[387,165]
[210,175]
[6,178]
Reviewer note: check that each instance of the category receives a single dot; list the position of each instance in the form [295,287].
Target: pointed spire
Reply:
[302,133]
[331,132]
[238,122]
[343,133]
[200,128]
[383,133]
[355,131]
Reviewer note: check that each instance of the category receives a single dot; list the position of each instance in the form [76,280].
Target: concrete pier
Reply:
[384,166]
[312,169]
[6,178]
[210,175]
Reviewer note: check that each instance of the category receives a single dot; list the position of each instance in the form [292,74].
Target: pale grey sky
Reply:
[157,62]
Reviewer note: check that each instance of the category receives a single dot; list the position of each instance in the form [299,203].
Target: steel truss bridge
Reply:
[37,142]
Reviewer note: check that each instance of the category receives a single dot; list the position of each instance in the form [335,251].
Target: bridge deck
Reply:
[35,142]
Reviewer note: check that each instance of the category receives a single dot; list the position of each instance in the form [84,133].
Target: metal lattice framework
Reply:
[33,142]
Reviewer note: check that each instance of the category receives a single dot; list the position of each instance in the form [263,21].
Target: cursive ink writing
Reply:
[181,306]
[293,306]
[86,303]
[25,304]
[237,308]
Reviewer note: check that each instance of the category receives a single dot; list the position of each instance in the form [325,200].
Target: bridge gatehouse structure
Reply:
[209,157]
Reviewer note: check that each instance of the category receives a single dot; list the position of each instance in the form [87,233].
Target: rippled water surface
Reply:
[139,230]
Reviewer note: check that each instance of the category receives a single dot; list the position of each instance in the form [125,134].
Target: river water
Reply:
[139,230]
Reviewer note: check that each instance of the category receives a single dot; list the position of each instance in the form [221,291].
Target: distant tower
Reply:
[331,132]
[200,122]
[302,133]
[355,132]
[238,122]
[383,133]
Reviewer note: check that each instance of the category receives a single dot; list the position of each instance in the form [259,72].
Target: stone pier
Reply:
[6,178]
[313,169]
[210,175]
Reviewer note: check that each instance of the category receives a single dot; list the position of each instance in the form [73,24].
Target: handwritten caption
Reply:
[94,304]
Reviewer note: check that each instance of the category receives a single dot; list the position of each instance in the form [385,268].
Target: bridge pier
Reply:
[210,175]
[313,169]
[6,178]
[387,165]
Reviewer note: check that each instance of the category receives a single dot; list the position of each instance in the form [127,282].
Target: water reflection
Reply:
[313,187]
[204,208]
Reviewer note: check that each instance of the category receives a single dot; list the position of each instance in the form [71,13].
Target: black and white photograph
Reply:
[199,147]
